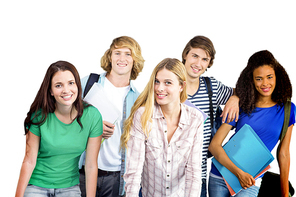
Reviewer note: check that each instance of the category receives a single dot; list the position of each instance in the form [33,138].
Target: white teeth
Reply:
[66,97]
[195,69]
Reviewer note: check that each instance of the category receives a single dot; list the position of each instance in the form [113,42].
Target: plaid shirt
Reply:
[162,168]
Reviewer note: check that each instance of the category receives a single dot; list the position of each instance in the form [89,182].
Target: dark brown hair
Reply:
[201,42]
[245,88]
[44,102]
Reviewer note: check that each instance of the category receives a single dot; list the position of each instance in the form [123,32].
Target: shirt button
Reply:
[169,161]
[168,175]
[168,187]
[165,131]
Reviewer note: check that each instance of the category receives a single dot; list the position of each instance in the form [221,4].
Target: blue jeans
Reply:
[203,188]
[35,191]
[218,188]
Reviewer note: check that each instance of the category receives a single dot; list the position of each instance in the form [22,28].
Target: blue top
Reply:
[266,122]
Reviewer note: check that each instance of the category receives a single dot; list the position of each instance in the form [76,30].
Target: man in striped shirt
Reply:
[198,55]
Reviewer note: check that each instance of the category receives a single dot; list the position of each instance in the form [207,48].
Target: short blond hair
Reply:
[130,43]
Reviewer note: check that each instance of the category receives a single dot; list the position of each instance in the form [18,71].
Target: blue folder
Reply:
[246,150]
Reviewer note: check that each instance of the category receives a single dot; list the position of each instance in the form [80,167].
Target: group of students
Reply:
[159,145]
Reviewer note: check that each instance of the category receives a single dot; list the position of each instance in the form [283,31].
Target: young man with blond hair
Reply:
[122,62]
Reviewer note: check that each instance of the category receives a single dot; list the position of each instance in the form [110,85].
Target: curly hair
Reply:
[245,88]
[121,42]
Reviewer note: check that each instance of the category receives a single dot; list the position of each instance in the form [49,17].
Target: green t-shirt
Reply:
[60,148]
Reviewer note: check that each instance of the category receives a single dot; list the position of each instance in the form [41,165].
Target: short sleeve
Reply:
[97,122]
[292,114]
[223,92]
[35,129]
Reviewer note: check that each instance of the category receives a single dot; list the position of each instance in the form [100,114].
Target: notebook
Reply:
[246,150]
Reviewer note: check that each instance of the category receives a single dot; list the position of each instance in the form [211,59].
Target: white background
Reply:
[35,34]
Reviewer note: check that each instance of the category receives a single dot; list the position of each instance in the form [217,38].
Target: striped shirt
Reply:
[162,168]
[200,99]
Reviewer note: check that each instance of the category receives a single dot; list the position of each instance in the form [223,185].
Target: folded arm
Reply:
[245,179]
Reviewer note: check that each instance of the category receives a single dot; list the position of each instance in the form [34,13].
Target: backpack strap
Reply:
[287,107]
[93,77]
[210,93]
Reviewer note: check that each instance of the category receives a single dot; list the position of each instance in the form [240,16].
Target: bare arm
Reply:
[245,179]
[231,109]
[284,162]
[29,162]
[91,164]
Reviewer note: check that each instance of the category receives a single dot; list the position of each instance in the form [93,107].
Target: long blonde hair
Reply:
[146,98]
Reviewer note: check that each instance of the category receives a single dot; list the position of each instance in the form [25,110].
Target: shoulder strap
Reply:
[287,107]
[210,93]
[93,77]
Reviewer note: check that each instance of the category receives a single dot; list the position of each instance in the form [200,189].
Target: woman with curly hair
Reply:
[263,87]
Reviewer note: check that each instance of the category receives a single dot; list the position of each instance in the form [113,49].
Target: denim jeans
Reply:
[203,192]
[218,188]
[35,191]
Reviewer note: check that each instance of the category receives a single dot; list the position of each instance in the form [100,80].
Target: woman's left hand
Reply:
[246,180]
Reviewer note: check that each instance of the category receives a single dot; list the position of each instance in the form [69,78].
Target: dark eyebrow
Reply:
[207,58]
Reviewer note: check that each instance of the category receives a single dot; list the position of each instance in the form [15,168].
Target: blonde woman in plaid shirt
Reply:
[163,137]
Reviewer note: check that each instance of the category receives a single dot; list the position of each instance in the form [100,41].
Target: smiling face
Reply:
[121,61]
[167,88]
[197,61]
[264,80]
[64,88]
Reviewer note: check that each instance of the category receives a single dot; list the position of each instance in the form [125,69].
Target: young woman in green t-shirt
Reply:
[58,128]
